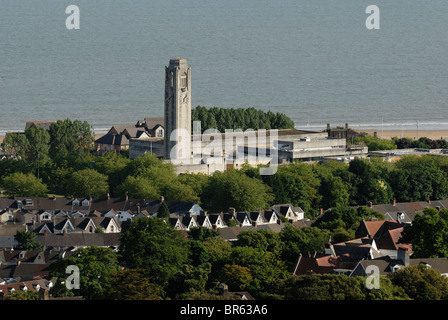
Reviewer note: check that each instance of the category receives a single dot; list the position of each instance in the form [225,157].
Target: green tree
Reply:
[263,239]
[87,183]
[421,282]
[23,295]
[27,240]
[17,143]
[70,138]
[264,267]
[113,165]
[95,267]
[163,211]
[298,241]
[202,233]
[131,285]
[370,182]
[323,287]
[138,187]
[375,144]
[234,189]
[419,179]
[38,145]
[238,278]
[428,234]
[334,192]
[24,185]
[155,247]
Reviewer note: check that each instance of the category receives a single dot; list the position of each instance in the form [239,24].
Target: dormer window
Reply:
[75,202]
[85,202]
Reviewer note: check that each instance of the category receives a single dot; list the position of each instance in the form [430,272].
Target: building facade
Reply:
[177,102]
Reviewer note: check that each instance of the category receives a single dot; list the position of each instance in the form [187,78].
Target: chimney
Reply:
[403,255]
[162,199]
[394,202]
[429,201]
[232,211]
[108,196]
[321,210]
[370,204]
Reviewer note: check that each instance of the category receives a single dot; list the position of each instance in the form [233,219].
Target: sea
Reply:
[316,61]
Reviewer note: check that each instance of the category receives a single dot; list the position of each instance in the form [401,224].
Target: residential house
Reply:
[76,240]
[203,221]
[358,249]
[216,220]
[386,235]
[42,286]
[324,263]
[289,212]
[406,211]
[231,233]
[385,265]
[62,225]
[118,137]
[44,124]
[7,233]
[263,217]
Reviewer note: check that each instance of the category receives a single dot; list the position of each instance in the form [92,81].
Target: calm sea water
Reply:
[313,60]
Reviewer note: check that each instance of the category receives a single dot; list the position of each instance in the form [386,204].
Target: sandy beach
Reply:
[413,134]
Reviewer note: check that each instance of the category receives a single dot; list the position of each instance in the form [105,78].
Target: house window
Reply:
[160,133]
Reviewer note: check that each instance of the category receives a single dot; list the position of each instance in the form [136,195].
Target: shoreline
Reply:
[436,134]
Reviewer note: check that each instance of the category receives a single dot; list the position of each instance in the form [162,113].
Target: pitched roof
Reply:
[323,263]
[231,233]
[389,240]
[79,240]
